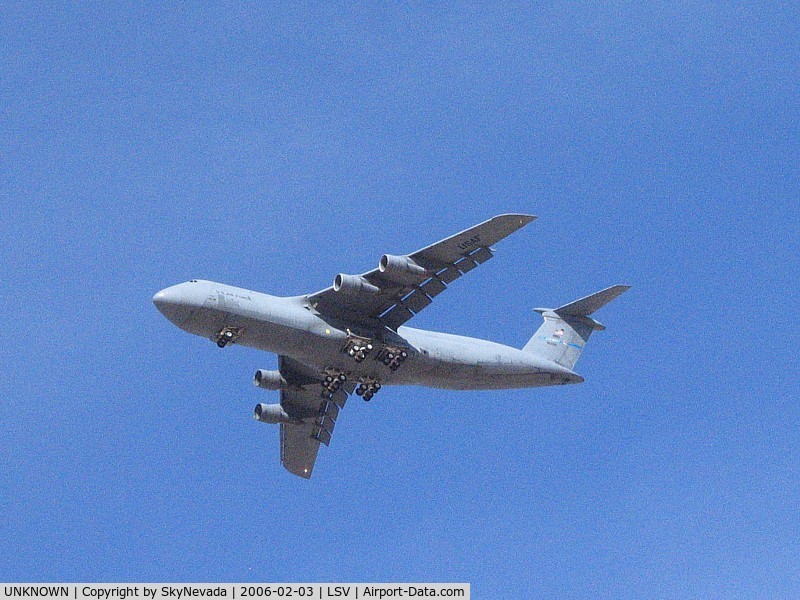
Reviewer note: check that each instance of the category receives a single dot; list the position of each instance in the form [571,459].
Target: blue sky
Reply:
[273,146]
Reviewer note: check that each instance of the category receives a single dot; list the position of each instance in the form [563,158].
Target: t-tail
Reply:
[566,329]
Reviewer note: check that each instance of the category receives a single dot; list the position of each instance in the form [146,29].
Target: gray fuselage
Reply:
[290,326]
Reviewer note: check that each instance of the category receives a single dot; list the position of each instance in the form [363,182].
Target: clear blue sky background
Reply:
[272,147]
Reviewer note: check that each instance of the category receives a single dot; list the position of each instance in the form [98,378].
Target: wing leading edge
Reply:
[404,285]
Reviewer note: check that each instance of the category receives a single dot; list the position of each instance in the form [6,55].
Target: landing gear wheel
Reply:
[357,347]
[368,387]
[332,382]
[228,335]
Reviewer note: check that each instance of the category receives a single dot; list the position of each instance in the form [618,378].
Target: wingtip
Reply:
[298,469]
[523,218]
[617,289]
[302,473]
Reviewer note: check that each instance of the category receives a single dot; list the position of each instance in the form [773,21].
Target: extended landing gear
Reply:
[228,335]
[358,347]
[392,357]
[368,388]
[332,381]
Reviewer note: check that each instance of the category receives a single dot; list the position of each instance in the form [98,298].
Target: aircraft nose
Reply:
[171,303]
[164,298]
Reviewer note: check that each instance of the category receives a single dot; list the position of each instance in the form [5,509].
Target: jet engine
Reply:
[270,413]
[269,380]
[353,284]
[400,268]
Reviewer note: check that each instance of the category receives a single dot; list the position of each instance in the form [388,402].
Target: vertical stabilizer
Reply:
[566,329]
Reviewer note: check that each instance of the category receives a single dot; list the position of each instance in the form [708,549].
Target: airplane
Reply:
[351,337]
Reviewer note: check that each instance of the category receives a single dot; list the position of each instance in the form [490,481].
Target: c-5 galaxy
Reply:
[351,337]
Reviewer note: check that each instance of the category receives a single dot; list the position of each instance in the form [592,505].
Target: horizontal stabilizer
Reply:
[589,304]
[566,329]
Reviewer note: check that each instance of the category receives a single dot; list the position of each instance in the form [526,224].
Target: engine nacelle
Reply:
[270,413]
[269,380]
[353,284]
[400,268]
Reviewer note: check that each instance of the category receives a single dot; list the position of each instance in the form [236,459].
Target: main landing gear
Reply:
[332,381]
[358,347]
[392,357]
[228,335]
[368,388]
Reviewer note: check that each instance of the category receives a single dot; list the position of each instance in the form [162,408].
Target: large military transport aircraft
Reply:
[351,337]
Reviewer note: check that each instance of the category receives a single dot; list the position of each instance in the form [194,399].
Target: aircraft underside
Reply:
[351,337]
[382,358]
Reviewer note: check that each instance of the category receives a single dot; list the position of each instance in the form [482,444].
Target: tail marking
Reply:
[566,329]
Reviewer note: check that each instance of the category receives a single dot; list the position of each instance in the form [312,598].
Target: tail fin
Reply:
[566,329]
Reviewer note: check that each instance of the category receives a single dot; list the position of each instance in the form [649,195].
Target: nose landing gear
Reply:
[228,335]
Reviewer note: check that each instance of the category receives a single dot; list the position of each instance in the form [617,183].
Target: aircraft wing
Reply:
[403,285]
[317,416]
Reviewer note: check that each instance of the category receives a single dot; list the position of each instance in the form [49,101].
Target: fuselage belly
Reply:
[290,327]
